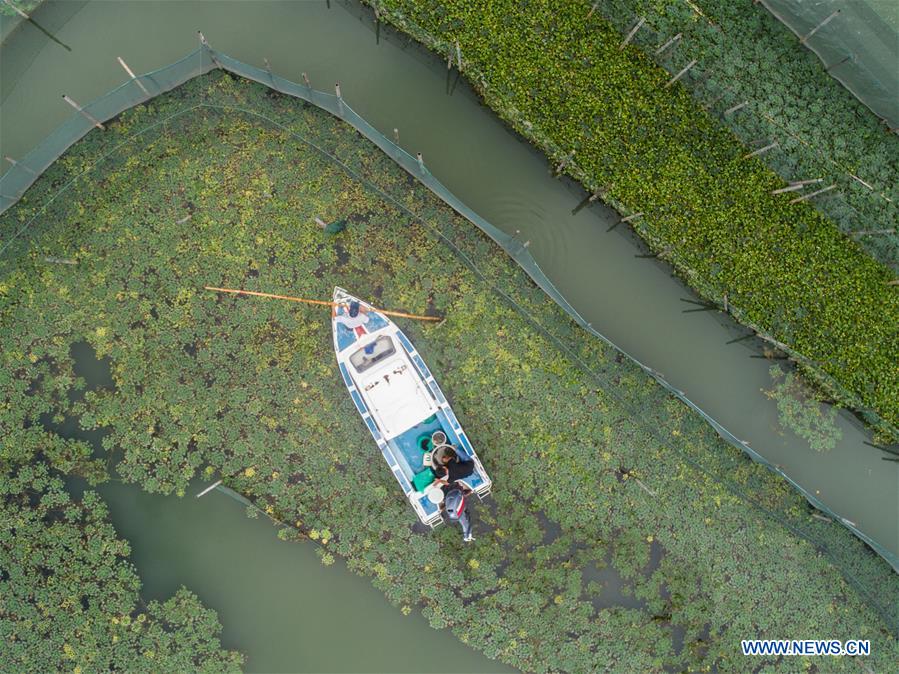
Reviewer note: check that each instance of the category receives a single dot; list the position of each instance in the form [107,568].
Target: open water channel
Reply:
[634,301]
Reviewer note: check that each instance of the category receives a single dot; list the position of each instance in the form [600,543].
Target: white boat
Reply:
[400,403]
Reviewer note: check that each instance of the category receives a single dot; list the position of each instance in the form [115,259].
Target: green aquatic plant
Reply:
[802,411]
[69,597]
[614,474]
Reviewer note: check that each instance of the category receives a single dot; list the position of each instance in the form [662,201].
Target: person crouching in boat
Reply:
[355,317]
[450,468]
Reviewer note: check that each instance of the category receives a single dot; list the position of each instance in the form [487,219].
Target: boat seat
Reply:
[473,481]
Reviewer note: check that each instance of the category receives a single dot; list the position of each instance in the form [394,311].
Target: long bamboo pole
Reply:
[320,302]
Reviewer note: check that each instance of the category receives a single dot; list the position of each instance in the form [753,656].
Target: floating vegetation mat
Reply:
[622,534]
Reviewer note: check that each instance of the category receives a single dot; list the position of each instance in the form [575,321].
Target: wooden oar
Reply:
[321,302]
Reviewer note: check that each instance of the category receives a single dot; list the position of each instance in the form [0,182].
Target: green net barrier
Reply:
[859,572]
[861,36]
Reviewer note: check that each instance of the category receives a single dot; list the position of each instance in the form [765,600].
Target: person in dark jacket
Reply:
[450,467]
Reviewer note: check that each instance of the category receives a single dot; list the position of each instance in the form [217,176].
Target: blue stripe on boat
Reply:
[437,392]
[421,366]
[452,419]
[406,343]
[358,400]
[346,375]
[464,440]
[373,428]
[404,483]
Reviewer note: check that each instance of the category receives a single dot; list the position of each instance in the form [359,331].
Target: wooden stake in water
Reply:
[17,10]
[789,188]
[820,26]
[377,25]
[204,43]
[681,73]
[813,194]
[761,150]
[589,199]
[271,76]
[37,25]
[740,339]
[20,165]
[633,32]
[862,181]
[89,116]
[870,232]
[209,488]
[449,68]
[738,106]
[132,75]
[627,219]
[564,163]
[306,80]
[665,46]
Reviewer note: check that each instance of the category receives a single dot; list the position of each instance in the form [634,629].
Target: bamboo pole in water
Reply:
[319,302]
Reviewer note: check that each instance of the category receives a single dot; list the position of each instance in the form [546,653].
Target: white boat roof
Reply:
[395,395]
[393,391]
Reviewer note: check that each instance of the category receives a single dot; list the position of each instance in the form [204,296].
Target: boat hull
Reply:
[400,403]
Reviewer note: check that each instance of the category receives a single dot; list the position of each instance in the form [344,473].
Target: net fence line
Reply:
[204,60]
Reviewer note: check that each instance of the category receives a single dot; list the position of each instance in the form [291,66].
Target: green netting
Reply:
[861,37]
[839,549]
